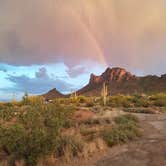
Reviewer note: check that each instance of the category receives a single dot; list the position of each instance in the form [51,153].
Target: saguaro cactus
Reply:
[104,93]
[74,96]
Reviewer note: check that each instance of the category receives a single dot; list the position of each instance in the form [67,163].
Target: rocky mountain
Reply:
[118,81]
[54,93]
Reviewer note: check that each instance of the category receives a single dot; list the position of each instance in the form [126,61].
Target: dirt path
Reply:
[149,150]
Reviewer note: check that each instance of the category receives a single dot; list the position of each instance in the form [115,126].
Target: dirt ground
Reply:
[149,150]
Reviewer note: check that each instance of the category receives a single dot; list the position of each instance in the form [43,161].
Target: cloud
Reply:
[128,33]
[76,71]
[3,68]
[41,83]
[42,73]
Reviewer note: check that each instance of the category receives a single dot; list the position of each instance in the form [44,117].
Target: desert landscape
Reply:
[82,83]
[90,126]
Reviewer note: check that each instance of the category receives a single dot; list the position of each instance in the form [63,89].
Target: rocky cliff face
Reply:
[119,80]
[112,75]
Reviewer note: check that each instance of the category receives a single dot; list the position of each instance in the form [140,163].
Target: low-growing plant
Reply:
[89,104]
[126,119]
[119,101]
[69,144]
[126,129]
[82,99]
[7,113]
[85,131]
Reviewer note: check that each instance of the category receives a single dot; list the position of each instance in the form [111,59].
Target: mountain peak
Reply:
[94,78]
[115,74]
[53,90]
[53,93]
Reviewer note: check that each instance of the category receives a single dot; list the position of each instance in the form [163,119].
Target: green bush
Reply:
[140,101]
[35,134]
[126,119]
[7,113]
[160,103]
[125,130]
[159,100]
[119,101]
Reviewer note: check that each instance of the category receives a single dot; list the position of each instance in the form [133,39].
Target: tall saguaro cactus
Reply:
[104,93]
[74,96]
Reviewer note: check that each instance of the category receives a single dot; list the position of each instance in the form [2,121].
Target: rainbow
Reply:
[91,37]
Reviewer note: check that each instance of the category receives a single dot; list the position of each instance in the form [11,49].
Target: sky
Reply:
[58,43]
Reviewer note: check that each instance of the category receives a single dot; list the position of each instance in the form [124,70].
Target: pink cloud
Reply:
[128,33]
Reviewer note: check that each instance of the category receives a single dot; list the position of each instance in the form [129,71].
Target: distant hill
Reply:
[54,93]
[118,81]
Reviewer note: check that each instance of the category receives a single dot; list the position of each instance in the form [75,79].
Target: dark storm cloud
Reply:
[128,33]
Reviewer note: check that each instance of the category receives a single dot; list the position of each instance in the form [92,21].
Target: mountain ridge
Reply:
[119,81]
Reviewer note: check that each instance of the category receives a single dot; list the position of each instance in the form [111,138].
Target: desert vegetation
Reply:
[37,132]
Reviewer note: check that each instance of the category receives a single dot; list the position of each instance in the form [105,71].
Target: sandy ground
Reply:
[149,150]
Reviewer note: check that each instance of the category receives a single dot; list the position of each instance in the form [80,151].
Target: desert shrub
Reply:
[97,121]
[89,104]
[8,104]
[140,101]
[119,101]
[68,123]
[7,113]
[61,101]
[1,105]
[69,144]
[114,136]
[86,131]
[31,100]
[125,130]
[36,100]
[82,99]
[159,100]
[35,134]
[92,121]
[126,119]
[140,110]
[160,103]
[157,96]
[89,134]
